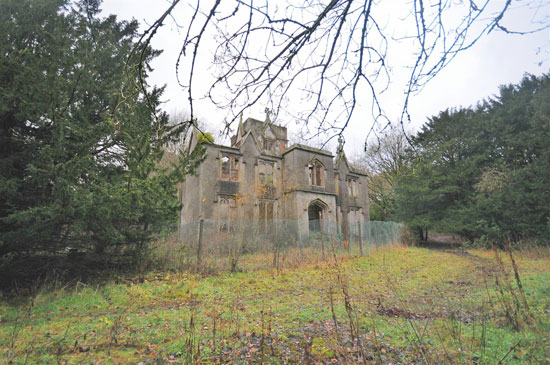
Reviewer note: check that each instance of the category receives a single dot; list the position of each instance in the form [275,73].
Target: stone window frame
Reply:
[316,172]
[264,174]
[266,215]
[269,144]
[266,178]
[353,187]
[229,167]
[226,222]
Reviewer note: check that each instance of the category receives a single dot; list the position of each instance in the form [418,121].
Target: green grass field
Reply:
[397,305]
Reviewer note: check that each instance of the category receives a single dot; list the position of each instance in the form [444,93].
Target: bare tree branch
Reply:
[329,56]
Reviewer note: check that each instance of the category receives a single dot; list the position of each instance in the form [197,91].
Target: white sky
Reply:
[472,76]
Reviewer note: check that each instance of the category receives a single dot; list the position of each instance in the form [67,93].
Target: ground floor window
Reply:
[265,216]
[227,211]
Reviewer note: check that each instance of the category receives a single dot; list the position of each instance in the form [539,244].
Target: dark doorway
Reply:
[315,216]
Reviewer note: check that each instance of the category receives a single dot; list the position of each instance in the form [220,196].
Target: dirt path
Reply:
[441,242]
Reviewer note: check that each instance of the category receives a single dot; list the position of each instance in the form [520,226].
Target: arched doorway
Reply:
[316,211]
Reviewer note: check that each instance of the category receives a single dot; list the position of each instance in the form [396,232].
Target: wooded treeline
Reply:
[81,141]
[481,172]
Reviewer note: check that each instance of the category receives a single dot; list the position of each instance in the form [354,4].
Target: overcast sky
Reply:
[472,76]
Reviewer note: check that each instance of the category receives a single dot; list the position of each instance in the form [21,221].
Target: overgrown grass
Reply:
[394,305]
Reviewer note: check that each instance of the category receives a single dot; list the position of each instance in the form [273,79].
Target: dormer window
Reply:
[315,170]
[230,167]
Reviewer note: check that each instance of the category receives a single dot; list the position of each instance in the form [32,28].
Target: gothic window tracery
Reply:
[315,170]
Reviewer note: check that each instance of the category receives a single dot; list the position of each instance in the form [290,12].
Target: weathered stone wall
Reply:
[206,197]
[352,209]
[296,161]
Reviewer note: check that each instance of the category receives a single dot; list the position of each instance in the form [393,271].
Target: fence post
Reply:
[276,247]
[350,240]
[199,246]
[323,244]
[360,239]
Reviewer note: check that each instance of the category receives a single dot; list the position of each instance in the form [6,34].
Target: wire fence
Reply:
[246,244]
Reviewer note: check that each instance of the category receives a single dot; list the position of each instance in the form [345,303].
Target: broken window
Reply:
[315,170]
[230,167]
[265,216]
[266,178]
[268,144]
[226,213]
[266,172]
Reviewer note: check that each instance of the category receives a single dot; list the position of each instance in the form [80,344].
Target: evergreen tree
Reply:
[80,139]
[513,193]
[483,172]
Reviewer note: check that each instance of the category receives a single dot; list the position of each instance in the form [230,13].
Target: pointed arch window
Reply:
[315,170]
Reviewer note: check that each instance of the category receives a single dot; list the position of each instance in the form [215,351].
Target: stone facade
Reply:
[260,178]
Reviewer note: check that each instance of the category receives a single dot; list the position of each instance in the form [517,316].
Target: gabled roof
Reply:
[298,146]
[342,158]
[250,134]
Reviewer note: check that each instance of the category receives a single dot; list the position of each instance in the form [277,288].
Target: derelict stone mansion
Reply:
[260,178]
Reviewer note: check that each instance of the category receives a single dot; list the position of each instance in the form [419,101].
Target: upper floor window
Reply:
[269,145]
[353,190]
[266,169]
[315,170]
[266,188]
[230,167]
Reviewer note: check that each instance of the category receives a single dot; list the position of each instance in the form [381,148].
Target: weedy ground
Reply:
[396,305]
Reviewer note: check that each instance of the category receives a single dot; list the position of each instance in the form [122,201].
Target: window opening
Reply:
[268,144]
[265,217]
[266,179]
[230,168]
[353,191]
[315,170]
[226,213]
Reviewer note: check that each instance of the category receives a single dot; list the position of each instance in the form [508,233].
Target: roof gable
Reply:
[342,160]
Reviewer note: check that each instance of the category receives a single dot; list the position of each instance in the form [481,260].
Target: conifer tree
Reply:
[483,172]
[80,139]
